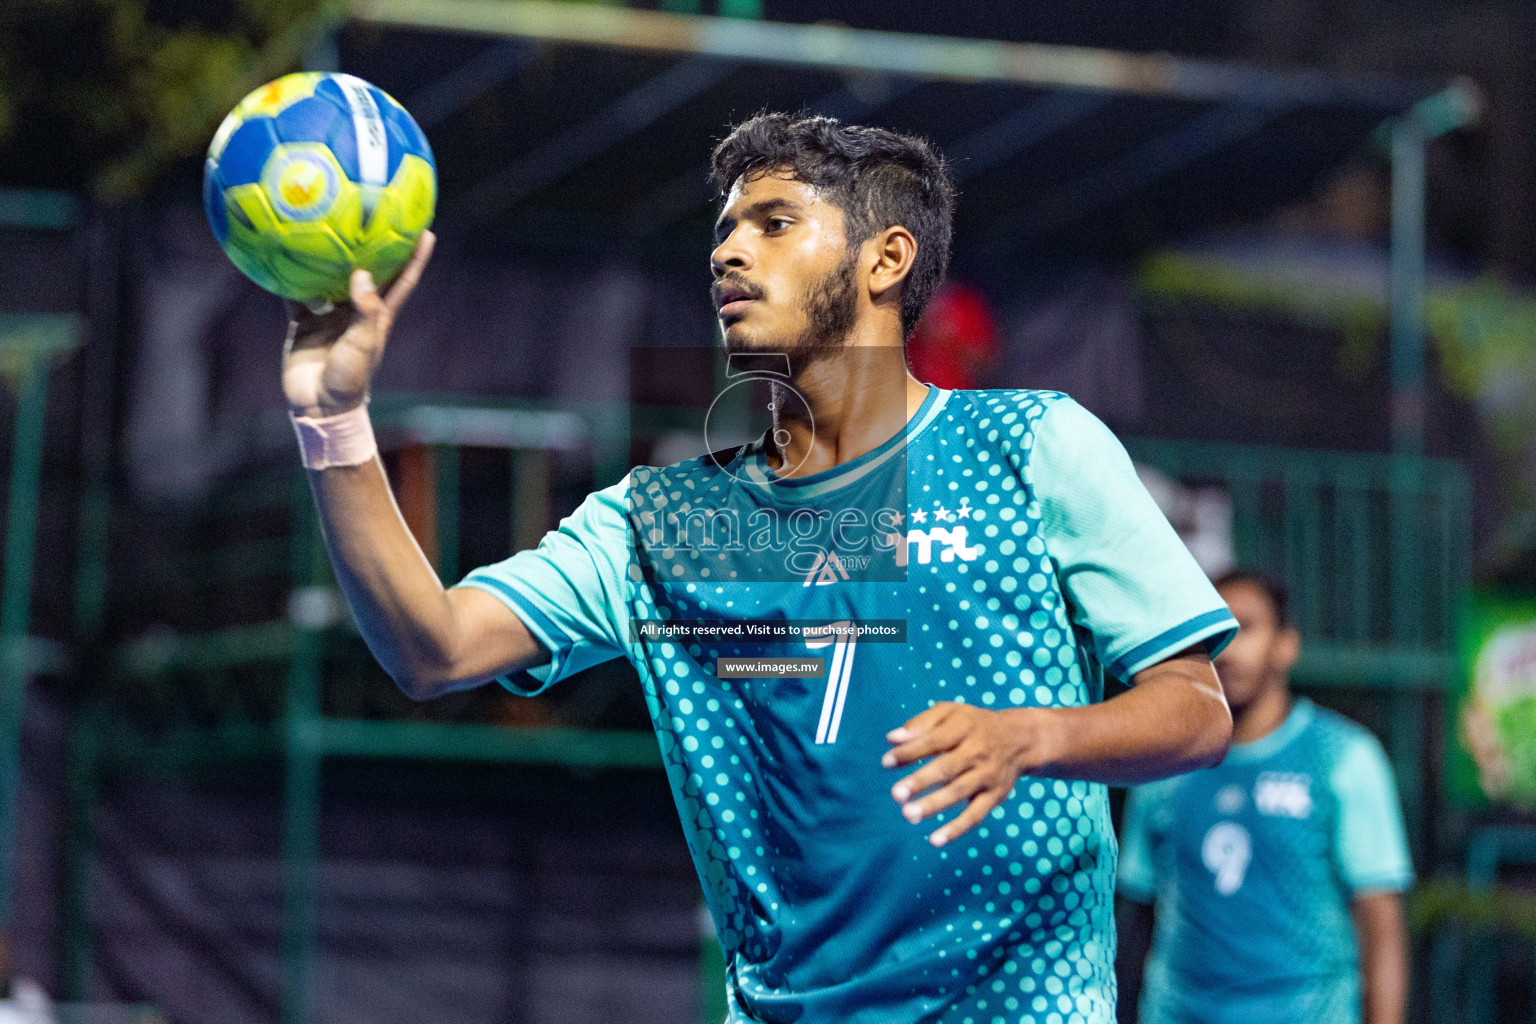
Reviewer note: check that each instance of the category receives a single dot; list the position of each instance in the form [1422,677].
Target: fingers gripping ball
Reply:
[315,175]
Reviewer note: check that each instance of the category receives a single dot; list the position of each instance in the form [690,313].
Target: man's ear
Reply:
[892,252]
[1286,649]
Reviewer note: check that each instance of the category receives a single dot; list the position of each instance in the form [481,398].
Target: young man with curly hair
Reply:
[1004,532]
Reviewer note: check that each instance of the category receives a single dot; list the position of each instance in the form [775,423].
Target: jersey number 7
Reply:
[838,674]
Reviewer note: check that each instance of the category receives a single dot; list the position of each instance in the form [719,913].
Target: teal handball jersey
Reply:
[1008,532]
[1252,865]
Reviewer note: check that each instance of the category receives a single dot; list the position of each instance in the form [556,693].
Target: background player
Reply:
[1256,867]
[1007,529]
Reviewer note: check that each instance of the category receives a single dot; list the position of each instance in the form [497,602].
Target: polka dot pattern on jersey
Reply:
[823,896]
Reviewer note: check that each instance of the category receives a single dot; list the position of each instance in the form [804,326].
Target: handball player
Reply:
[907,831]
[1277,877]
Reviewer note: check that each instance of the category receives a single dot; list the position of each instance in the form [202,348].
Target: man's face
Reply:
[784,278]
[1261,654]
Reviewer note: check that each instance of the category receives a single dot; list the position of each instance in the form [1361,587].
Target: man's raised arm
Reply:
[430,640]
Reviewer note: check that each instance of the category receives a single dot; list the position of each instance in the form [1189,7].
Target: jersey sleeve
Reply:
[1370,844]
[569,591]
[1130,581]
[1137,878]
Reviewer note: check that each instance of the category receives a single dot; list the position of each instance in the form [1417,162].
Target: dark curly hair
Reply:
[878,178]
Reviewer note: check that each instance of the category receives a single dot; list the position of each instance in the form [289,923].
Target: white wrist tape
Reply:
[345,439]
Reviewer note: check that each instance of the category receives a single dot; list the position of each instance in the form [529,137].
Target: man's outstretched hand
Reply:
[977,756]
[330,357]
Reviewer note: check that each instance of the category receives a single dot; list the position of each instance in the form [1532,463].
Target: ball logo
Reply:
[301,183]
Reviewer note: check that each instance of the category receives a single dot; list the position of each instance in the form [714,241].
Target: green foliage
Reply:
[1484,333]
[1449,902]
[1360,320]
[105,93]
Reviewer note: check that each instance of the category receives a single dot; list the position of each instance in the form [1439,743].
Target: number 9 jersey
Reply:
[1008,535]
[1252,865]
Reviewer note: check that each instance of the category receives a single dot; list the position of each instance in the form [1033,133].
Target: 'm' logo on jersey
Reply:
[1283,794]
[828,569]
[953,541]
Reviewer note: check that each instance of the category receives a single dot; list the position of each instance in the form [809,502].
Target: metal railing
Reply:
[1375,550]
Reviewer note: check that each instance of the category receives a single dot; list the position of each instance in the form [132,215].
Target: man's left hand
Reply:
[977,757]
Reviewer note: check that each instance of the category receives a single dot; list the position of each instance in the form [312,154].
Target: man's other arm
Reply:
[1383,941]
[1371,847]
[1174,719]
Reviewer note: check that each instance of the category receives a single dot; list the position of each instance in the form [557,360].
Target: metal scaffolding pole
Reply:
[938,58]
[1407,286]
[31,386]
[27,344]
[1406,738]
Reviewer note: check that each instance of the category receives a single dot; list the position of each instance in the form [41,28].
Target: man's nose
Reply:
[729,255]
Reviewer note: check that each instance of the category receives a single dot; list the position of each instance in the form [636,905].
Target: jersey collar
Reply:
[1302,712]
[815,485]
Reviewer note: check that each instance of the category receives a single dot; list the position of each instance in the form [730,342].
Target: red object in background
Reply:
[955,340]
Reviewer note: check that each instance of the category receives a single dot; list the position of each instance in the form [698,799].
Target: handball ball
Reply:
[313,176]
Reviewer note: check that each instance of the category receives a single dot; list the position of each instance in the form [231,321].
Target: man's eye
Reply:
[778,223]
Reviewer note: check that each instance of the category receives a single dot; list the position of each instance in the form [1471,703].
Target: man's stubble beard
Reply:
[831,307]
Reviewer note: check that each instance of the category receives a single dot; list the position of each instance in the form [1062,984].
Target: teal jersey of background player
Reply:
[1008,531]
[1252,866]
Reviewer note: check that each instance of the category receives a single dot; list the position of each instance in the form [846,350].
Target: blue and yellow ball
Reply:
[314,175]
